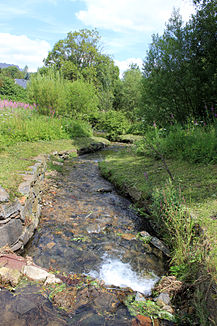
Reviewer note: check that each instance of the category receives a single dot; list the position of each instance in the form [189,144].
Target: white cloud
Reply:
[137,15]
[125,64]
[21,51]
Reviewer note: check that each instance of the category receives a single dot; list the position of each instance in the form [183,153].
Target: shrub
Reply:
[137,128]
[81,98]
[113,122]
[49,93]
[77,128]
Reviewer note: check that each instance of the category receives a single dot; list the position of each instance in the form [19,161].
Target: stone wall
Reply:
[20,217]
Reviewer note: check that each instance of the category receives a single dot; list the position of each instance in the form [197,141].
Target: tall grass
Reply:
[177,228]
[23,123]
[192,143]
[57,96]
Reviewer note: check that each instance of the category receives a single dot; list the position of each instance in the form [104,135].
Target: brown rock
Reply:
[128,236]
[144,321]
[12,261]
[134,322]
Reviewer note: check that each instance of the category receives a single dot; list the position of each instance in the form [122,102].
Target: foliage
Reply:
[12,72]
[12,91]
[147,308]
[113,122]
[193,143]
[48,92]
[77,128]
[23,124]
[81,98]
[145,176]
[179,74]
[56,96]
[130,92]
[29,126]
[78,57]
[176,226]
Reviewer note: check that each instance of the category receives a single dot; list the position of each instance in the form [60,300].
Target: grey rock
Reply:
[163,299]
[9,209]
[4,196]
[24,187]
[160,245]
[10,232]
[23,305]
[103,190]
[52,279]
[27,234]
[35,273]
[57,163]
[139,297]
[17,246]
[9,275]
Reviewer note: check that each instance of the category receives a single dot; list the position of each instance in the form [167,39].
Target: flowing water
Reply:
[87,228]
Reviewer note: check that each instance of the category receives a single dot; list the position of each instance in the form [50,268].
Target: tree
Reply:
[12,72]
[203,53]
[166,82]
[180,71]
[79,57]
[131,91]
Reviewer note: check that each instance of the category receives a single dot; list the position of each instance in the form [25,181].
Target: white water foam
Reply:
[115,272]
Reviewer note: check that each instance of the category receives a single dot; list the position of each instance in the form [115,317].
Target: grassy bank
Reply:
[24,134]
[16,159]
[193,190]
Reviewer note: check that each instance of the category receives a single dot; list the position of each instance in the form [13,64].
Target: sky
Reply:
[30,28]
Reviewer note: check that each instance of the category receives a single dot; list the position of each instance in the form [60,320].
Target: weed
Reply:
[144,239]
[58,288]
[147,308]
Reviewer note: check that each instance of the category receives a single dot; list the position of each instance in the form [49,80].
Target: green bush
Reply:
[56,96]
[113,122]
[77,128]
[81,98]
[137,128]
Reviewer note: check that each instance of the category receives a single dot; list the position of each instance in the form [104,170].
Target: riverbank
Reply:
[86,227]
[139,178]
[16,159]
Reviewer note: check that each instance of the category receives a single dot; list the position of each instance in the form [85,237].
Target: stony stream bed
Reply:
[87,231]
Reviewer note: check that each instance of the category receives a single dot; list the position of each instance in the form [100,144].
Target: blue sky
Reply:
[30,28]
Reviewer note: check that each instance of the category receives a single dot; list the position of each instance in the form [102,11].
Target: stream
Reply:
[87,228]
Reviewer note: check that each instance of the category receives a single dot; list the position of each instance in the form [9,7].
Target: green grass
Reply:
[192,143]
[16,159]
[198,183]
